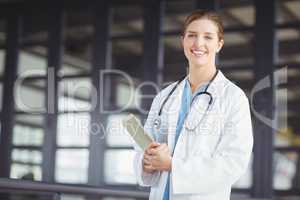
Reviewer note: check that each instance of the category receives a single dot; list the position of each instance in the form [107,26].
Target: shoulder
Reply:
[230,91]
[158,99]
[235,92]
[231,96]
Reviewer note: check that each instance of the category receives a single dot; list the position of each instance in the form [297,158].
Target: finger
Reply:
[162,146]
[147,158]
[153,151]
[148,168]
[146,162]
[153,145]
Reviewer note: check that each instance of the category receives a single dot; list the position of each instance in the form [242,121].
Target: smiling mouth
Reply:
[198,53]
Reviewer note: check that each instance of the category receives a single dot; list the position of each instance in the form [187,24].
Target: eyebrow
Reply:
[208,33]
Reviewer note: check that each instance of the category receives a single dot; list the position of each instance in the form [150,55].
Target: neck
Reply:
[200,75]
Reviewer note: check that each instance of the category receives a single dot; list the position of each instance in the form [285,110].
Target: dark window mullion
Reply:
[55,51]
[13,31]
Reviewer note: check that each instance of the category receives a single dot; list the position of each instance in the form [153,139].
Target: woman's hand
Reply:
[147,165]
[160,158]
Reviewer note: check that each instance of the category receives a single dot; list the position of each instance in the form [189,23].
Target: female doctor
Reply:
[201,124]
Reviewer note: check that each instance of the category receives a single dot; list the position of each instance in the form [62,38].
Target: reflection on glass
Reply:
[75,66]
[71,166]
[127,19]
[73,129]
[116,134]
[74,94]
[28,172]
[119,167]
[31,64]
[73,104]
[71,197]
[2,61]
[30,120]
[1,92]
[284,170]
[26,135]
[127,97]
[27,156]
[30,95]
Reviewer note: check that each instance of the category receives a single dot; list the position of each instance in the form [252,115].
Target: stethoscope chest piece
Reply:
[157,123]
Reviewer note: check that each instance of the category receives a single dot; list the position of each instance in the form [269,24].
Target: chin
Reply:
[200,63]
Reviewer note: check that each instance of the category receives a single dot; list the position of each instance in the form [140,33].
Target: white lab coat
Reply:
[208,160]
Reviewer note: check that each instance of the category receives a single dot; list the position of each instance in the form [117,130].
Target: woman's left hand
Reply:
[161,158]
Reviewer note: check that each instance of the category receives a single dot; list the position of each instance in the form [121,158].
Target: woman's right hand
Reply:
[147,166]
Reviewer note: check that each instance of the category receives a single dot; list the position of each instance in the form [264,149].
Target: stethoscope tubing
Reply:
[200,93]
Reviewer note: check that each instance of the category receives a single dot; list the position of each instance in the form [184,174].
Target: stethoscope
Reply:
[157,121]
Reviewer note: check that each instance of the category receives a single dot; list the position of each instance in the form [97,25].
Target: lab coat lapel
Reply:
[198,116]
[173,112]
[217,85]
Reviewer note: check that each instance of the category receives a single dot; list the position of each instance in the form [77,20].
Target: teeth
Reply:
[198,53]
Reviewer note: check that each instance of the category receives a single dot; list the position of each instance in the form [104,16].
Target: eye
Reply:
[208,37]
[191,35]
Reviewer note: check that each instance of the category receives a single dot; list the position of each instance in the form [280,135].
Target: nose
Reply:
[199,41]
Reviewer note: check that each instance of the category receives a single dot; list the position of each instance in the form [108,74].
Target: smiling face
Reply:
[201,42]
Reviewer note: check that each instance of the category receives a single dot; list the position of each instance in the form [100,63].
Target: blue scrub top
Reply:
[186,103]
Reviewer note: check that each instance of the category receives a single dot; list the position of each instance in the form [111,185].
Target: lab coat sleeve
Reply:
[144,178]
[209,173]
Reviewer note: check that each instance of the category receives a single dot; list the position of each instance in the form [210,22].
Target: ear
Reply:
[220,45]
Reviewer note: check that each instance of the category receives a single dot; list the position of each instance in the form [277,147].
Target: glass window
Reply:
[289,52]
[27,156]
[1,92]
[127,19]
[71,165]
[77,44]
[237,50]
[242,15]
[74,94]
[32,62]
[174,66]
[2,61]
[287,95]
[34,120]
[116,134]
[30,95]
[73,129]
[287,11]
[27,135]
[71,197]
[2,43]
[23,171]
[74,66]
[119,167]
[127,56]
[127,96]
[284,170]
[175,14]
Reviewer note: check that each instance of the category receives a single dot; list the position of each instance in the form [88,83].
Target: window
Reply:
[73,129]
[119,167]
[71,165]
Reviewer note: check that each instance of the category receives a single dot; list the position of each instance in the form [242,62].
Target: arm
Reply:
[146,178]
[227,164]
